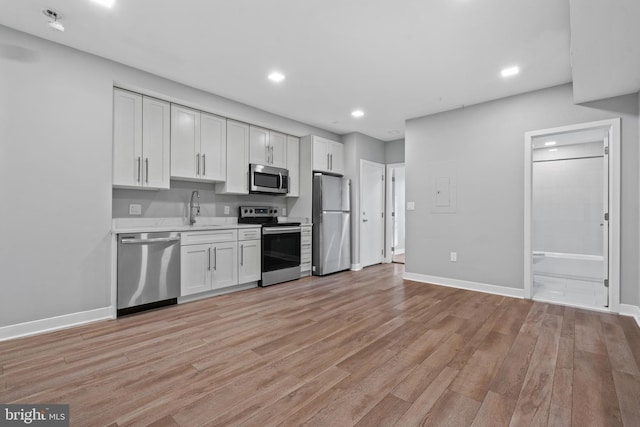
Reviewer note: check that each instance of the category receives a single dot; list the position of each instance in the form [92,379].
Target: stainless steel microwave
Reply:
[267,179]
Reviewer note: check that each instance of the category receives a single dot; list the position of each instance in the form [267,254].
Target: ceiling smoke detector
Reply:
[54,17]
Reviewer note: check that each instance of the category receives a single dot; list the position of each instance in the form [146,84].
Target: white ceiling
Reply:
[395,60]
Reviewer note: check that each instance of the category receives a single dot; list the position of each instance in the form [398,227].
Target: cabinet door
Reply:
[224,265]
[185,142]
[293,165]
[259,146]
[237,181]
[336,158]
[195,269]
[249,269]
[320,154]
[278,149]
[213,147]
[127,138]
[156,152]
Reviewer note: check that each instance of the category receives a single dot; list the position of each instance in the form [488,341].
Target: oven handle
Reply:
[281,230]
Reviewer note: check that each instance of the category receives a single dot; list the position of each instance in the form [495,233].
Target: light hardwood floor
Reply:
[365,349]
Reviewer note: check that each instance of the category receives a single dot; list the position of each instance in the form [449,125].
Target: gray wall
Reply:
[55,145]
[394,151]
[485,142]
[359,147]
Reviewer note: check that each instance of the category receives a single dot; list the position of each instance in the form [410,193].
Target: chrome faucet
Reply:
[194,208]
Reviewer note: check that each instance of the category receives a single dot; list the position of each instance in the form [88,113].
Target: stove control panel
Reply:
[258,212]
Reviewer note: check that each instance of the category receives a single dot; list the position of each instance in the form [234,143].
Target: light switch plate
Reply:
[284,211]
[226,210]
[135,209]
[454,256]
[411,206]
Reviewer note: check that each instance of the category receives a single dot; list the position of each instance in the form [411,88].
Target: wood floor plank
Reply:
[532,407]
[355,348]
[595,401]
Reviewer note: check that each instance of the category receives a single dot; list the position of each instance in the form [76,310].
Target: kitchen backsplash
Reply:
[174,202]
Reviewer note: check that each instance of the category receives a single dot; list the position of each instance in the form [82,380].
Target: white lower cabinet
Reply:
[305,251]
[219,259]
[224,265]
[249,264]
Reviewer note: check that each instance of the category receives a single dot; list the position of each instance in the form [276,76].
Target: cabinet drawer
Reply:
[305,249]
[249,234]
[305,239]
[305,258]
[214,236]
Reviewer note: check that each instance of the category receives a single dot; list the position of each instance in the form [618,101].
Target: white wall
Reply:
[486,143]
[55,166]
[394,151]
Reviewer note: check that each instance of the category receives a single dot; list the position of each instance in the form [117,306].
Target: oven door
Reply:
[280,254]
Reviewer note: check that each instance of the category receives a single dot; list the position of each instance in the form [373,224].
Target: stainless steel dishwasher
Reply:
[148,271]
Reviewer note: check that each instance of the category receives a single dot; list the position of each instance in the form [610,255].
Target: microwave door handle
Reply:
[280,183]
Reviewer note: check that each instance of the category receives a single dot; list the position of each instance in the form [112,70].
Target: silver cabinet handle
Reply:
[272,154]
[365,220]
[139,171]
[209,267]
[215,258]
[146,169]
[131,241]
[328,163]
[241,255]
[204,165]
[198,164]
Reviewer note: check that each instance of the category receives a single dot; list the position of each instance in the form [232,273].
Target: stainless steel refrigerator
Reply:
[331,224]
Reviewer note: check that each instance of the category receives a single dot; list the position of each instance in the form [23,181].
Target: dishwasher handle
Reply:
[131,241]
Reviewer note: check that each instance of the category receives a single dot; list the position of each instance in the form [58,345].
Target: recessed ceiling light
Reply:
[276,77]
[511,71]
[105,3]
[357,113]
[550,143]
[553,149]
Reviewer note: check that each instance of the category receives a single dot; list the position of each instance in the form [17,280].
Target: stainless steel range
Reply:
[280,244]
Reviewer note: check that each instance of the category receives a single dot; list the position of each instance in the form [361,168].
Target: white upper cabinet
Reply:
[213,147]
[278,147]
[198,145]
[237,181]
[140,141]
[259,151]
[267,147]
[293,165]
[328,156]
[156,152]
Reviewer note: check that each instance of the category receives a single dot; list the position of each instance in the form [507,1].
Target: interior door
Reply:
[371,213]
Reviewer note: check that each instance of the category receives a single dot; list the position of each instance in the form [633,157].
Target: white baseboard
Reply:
[356,267]
[55,323]
[631,310]
[463,284]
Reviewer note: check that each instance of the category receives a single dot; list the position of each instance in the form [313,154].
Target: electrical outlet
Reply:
[135,209]
[284,211]
[411,206]
[454,256]
[226,210]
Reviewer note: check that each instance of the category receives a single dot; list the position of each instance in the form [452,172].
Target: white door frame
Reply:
[613,127]
[384,177]
[388,222]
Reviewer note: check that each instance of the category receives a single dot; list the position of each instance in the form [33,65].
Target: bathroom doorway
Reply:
[395,224]
[572,186]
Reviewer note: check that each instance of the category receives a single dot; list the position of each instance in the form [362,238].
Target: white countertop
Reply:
[151,225]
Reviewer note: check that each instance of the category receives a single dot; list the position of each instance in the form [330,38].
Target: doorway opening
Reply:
[572,215]
[395,224]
